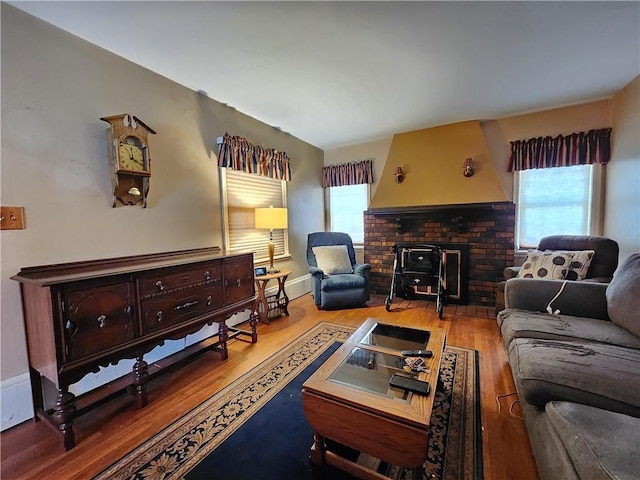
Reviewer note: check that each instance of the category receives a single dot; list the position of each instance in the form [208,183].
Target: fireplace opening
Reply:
[477,239]
[416,263]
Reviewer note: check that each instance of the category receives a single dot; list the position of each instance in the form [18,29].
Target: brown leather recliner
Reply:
[603,264]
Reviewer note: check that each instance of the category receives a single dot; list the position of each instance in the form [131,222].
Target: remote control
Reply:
[411,384]
[417,353]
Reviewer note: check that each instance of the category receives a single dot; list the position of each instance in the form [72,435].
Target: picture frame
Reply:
[259,271]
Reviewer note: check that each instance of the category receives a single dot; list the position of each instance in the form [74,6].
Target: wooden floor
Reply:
[33,450]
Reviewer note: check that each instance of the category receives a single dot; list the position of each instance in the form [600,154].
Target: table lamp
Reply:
[271,218]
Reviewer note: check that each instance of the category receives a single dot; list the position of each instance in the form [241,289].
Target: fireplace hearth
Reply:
[482,234]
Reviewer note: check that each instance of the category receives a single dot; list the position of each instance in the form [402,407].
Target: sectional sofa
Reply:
[576,366]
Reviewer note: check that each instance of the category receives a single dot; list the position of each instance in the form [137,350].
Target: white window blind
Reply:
[346,206]
[555,201]
[242,193]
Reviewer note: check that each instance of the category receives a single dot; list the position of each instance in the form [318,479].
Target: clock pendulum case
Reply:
[129,160]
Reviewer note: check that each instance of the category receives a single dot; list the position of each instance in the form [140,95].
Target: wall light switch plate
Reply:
[11,218]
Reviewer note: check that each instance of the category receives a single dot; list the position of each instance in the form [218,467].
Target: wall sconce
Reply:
[468,167]
[399,175]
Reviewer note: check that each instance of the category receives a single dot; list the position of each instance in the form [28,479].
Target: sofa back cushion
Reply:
[623,295]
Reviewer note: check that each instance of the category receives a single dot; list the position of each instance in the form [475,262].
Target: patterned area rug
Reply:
[455,446]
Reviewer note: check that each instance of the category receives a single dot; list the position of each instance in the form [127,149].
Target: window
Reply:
[242,193]
[346,207]
[557,201]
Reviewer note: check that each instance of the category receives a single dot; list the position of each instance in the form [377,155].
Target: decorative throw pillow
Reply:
[333,259]
[580,264]
[548,264]
[623,301]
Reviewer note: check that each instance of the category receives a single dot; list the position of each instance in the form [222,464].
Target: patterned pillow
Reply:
[333,259]
[580,264]
[548,264]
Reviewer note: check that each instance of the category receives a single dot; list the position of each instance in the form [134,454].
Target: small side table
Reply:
[273,305]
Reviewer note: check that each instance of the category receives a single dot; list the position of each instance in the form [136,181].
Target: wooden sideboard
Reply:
[85,315]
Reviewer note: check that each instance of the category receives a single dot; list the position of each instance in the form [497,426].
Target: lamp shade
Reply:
[271,218]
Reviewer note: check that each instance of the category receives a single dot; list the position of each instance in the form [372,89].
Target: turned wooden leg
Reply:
[318,450]
[253,322]
[140,377]
[64,411]
[223,337]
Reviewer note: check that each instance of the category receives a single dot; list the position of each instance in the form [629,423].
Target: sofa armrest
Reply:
[511,272]
[578,299]
[361,268]
[316,272]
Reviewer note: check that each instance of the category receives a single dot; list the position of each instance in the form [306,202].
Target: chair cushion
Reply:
[605,376]
[342,282]
[333,259]
[548,265]
[516,323]
[623,298]
[600,444]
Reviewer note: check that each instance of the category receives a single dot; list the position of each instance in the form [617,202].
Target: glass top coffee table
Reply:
[349,398]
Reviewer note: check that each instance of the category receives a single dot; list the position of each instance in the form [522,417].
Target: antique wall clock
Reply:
[129,159]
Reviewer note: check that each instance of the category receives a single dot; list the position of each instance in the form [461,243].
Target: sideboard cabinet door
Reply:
[238,279]
[96,319]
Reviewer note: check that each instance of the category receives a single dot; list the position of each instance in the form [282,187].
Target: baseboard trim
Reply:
[295,288]
[15,398]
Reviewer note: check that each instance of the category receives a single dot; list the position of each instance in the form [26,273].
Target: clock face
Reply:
[132,155]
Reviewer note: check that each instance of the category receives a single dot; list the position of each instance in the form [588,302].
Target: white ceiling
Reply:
[341,73]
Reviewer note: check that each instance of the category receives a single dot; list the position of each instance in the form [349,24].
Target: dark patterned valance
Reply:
[562,151]
[348,174]
[238,154]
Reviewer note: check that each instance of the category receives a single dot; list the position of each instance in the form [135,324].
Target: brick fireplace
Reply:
[487,229]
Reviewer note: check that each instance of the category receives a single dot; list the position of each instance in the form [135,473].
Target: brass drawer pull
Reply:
[207,275]
[102,321]
[160,285]
[239,283]
[159,315]
[187,305]
[209,301]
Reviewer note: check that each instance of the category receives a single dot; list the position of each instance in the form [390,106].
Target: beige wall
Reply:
[558,121]
[622,205]
[378,150]
[55,88]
